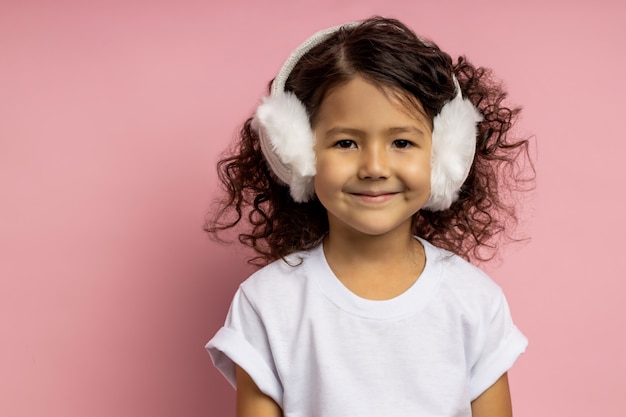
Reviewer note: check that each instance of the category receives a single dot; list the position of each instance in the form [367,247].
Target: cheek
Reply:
[417,179]
[417,172]
[331,176]
[331,165]
[325,175]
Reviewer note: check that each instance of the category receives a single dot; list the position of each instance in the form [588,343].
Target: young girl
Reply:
[372,148]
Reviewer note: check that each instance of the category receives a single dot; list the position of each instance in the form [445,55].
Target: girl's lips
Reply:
[374,198]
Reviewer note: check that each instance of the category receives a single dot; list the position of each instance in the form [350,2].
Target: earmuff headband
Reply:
[287,140]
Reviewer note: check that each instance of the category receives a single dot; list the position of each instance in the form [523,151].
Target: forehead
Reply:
[360,101]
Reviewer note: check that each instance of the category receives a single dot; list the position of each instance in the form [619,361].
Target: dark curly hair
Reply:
[386,53]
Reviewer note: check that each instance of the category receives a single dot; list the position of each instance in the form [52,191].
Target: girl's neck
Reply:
[375,267]
[359,247]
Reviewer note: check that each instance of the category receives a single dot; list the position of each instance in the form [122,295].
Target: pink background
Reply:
[112,116]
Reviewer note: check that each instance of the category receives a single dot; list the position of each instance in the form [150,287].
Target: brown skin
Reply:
[251,402]
[495,401]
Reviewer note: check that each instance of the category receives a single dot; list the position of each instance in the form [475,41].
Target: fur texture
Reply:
[454,144]
[284,126]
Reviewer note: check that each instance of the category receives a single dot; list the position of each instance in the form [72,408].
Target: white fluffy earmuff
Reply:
[453,148]
[287,140]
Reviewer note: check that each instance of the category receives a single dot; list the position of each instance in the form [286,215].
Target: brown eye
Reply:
[402,143]
[345,144]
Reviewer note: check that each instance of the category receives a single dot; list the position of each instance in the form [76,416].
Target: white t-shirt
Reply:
[319,350]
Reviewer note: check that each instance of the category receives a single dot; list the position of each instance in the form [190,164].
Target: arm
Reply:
[251,402]
[495,401]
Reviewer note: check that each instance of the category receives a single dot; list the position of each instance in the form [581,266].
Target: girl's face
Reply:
[373,159]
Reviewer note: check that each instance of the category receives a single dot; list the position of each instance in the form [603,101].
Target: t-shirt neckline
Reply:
[409,302]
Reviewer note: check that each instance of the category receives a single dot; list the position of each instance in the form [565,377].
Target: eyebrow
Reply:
[406,129]
[356,132]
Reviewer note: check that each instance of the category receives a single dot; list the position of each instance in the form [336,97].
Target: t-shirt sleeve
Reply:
[243,341]
[498,345]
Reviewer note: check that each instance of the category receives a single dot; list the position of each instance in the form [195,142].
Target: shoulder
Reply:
[279,279]
[463,280]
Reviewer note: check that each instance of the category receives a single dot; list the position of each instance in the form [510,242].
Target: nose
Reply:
[374,163]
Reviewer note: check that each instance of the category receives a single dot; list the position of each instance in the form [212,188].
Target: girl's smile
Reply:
[374,197]
[373,159]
